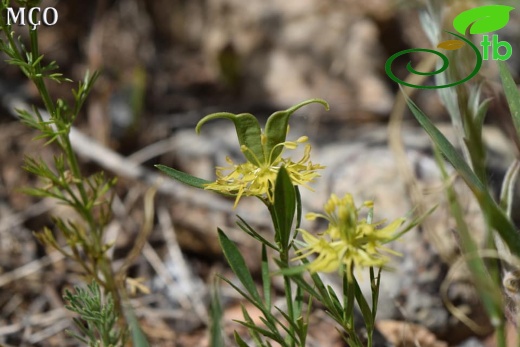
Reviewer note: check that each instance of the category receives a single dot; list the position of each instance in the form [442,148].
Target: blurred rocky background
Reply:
[164,65]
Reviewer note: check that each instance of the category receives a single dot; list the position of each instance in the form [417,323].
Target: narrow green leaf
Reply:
[183,177]
[484,284]
[238,265]
[495,216]
[242,224]
[335,300]
[138,337]
[508,186]
[481,114]
[512,95]
[248,132]
[321,294]
[348,298]
[363,306]
[447,149]
[254,333]
[375,285]
[216,338]
[266,279]
[284,207]
[292,324]
[291,271]
[503,225]
[246,296]
[262,331]
[276,333]
[305,322]
[412,224]
[302,283]
[254,330]
[276,127]
[271,324]
[239,341]
[298,302]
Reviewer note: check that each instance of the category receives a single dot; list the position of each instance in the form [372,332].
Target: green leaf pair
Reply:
[261,147]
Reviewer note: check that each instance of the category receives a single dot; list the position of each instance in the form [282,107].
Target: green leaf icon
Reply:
[483,19]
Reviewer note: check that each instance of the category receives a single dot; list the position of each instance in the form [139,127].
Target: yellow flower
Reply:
[347,241]
[258,179]
[263,151]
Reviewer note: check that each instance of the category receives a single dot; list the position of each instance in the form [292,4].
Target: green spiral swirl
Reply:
[445,64]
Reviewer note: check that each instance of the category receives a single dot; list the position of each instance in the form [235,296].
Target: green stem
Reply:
[99,260]
[64,129]
[501,336]
[37,77]
[38,80]
[284,257]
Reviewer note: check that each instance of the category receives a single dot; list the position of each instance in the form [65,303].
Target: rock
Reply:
[406,334]
[290,51]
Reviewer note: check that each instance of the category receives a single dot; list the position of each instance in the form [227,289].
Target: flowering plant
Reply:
[348,243]
[263,151]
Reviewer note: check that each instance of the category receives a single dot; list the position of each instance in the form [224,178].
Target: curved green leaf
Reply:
[276,127]
[248,132]
[483,19]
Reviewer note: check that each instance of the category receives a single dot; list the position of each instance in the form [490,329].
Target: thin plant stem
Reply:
[284,257]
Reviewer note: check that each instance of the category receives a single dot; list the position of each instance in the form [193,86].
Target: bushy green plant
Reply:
[89,197]
[98,317]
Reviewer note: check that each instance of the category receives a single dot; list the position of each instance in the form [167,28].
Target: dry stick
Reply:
[184,299]
[154,150]
[142,238]
[53,329]
[164,274]
[41,319]
[32,267]
[19,218]
[183,271]
[403,165]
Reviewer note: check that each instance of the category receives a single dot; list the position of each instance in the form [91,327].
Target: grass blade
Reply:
[512,95]
[447,149]
[496,218]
